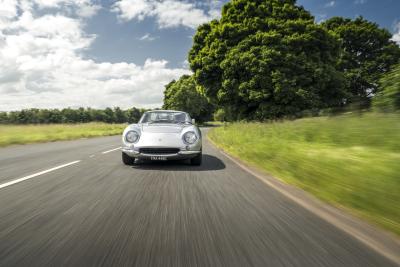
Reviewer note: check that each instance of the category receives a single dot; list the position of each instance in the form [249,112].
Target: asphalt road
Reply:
[98,212]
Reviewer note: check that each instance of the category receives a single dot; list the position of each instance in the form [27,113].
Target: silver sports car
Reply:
[162,135]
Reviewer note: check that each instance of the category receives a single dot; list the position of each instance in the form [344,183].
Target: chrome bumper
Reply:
[183,154]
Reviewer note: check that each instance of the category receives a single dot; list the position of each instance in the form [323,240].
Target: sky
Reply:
[108,53]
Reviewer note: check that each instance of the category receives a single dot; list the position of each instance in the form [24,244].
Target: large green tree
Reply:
[267,59]
[186,95]
[367,53]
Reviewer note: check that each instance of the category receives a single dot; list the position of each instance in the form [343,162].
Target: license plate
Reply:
[158,158]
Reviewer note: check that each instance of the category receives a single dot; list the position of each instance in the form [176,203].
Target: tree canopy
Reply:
[186,95]
[267,59]
[367,53]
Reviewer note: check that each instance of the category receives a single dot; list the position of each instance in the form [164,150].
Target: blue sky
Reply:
[173,44]
[170,43]
[99,53]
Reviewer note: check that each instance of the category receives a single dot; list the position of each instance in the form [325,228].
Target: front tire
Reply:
[196,161]
[127,160]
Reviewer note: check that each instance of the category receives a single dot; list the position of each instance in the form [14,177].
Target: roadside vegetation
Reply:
[69,115]
[349,160]
[269,60]
[24,134]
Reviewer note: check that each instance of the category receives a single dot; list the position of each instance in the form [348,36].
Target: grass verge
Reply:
[24,134]
[350,161]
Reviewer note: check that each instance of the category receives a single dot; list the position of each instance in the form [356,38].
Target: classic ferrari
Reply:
[162,135]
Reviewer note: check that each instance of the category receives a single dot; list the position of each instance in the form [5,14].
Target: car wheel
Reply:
[196,161]
[127,160]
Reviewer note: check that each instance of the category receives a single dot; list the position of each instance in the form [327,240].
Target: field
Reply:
[24,134]
[351,161]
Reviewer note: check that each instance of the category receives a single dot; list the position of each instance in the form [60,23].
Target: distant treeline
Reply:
[69,115]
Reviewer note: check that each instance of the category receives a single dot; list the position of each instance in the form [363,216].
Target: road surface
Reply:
[74,204]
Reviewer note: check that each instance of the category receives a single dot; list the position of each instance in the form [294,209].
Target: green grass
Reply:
[211,124]
[24,134]
[350,161]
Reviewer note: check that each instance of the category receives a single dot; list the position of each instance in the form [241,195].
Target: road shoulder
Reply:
[385,243]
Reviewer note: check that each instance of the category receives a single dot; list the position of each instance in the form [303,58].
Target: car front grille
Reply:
[159,151]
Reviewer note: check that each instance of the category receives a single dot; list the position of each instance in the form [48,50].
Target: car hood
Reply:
[161,135]
[162,128]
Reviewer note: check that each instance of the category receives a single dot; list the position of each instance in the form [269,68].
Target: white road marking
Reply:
[111,150]
[91,156]
[37,174]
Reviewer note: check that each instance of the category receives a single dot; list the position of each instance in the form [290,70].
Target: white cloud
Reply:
[87,11]
[330,4]
[83,8]
[172,13]
[148,37]
[8,9]
[130,9]
[41,65]
[396,36]
[168,13]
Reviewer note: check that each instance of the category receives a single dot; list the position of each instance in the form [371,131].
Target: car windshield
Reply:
[165,117]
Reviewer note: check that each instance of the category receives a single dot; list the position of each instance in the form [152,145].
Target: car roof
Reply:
[171,111]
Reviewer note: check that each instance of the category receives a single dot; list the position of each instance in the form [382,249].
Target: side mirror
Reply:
[193,121]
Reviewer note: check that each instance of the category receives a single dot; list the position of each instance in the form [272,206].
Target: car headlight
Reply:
[132,137]
[190,138]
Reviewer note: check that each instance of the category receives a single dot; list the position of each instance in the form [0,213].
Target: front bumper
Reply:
[181,155]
